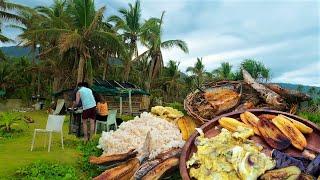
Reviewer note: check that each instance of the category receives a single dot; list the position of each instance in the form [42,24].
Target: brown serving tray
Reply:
[209,130]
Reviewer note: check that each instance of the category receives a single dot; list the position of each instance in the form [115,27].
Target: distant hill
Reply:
[16,51]
[295,86]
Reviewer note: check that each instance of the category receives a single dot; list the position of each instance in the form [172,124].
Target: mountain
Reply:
[16,51]
[305,88]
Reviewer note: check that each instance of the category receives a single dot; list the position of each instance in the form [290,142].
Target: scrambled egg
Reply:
[228,156]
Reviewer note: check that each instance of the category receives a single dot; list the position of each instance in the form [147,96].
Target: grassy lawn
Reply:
[15,152]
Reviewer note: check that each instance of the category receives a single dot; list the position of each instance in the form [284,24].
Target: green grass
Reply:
[313,117]
[15,152]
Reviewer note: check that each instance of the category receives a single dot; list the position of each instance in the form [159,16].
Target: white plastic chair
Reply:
[54,124]
[111,120]
[60,104]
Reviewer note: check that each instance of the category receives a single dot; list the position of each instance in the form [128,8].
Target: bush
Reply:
[177,105]
[47,170]
[314,117]
[13,133]
[126,118]
[8,120]
[89,149]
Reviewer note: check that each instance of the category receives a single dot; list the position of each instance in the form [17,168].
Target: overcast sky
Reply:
[284,35]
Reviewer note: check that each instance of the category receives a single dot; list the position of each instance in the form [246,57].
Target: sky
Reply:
[283,34]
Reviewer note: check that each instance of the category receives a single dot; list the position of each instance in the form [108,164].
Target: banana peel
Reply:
[123,171]
[111,159]
[161,169]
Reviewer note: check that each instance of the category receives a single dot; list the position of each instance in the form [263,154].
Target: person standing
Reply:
[89,108]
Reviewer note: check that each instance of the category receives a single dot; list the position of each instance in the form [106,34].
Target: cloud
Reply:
[234,56]
[308,75]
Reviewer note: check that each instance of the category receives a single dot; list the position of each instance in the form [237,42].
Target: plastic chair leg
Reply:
[95,130]
[45,139]
[50,138]
[108,128]
[33,139]
[62,140]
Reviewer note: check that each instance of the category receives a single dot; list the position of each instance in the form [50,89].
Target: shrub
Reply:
[126,118]
[89,149]
[314,117]
[177,105]
[9,119]
[11,134]
[47,170]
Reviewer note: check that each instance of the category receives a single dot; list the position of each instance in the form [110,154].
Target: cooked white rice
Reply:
[132,134]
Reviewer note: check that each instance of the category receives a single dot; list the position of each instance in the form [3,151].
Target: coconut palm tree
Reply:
[7,14]
[224,72]
[44,17]
[198,72]
[172,79]
[151,37]
[257,70]
[130,26]
[83,36]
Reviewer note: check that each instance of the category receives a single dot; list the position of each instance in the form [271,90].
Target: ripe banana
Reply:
[253,120]
[272,135]
[288,129]
[302,127]
[231,124]
[187,126]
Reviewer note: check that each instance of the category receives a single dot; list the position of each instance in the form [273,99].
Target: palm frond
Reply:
[142,56]
[10,17]
[109,38]
[5,5]
[5,39]
[95,21]
[14,26]
[47,32]
[175,43]
[71,40]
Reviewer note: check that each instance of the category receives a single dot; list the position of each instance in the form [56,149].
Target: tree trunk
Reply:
[105,69]
[268,95]
[80,69]
[89,73]
[56,83]
[127,71]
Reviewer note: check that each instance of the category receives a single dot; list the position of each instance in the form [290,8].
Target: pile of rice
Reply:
[132,134]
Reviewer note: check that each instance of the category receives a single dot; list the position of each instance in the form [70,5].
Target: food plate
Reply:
[210,130]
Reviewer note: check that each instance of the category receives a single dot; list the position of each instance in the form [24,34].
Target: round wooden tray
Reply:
[189,148]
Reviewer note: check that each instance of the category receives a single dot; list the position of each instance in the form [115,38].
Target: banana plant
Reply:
[9,119]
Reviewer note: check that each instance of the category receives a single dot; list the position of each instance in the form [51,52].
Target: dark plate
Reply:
[209,130]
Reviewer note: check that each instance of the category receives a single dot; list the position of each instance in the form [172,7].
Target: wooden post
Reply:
[120,105]
[130,103]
